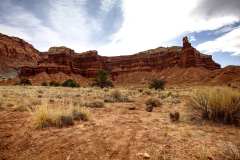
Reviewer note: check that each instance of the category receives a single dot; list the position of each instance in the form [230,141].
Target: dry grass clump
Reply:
[169,97]
[95,104]
[230,152]
[151,103]
[116,96]
[81,113]
[217,104]
[44,116]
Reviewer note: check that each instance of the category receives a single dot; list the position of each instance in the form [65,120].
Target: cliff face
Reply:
[62,59]
[22,56]
[15,52]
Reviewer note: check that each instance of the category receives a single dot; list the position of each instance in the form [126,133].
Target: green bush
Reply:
[102,80]
[70,83]
[25,82]
[54,84]
[44,84]
[157,84]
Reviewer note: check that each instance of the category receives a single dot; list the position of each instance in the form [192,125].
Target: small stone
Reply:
[149,108]
[144,155]
[132,108]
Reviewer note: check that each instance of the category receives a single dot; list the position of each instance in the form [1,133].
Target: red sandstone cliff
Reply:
[15,53]
[18,54]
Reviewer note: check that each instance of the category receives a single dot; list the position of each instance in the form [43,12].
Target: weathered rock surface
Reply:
[15,52]
[166,63]
[62,59]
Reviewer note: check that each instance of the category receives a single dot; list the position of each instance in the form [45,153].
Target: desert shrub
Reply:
[44,84]
[116,96]
[174,116]
[95,104]
[153,102]
[230,151]
[149,108]
[64,120]
[217,104]
[157,84]
[81,113]
[70,83]
[54,84]
[45,116]
[25,82]
[42,117]
[102,80]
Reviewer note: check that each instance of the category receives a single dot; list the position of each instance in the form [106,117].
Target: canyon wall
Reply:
[22,56]
[62,59]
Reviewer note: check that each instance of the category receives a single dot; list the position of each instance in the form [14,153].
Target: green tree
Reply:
[70,83]
[25,82]
[102,79]
[157,84]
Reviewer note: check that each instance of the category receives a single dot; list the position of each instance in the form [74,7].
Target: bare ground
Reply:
[115,132]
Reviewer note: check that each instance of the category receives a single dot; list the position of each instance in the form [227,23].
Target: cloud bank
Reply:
[115,27]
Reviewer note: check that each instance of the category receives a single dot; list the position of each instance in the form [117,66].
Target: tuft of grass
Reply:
[81,113]
[230,152]
[95,104]
[44,116]
[154,102]
[151,103]
[220,104]
[116,96]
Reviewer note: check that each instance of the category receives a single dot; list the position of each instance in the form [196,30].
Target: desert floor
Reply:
[119,130]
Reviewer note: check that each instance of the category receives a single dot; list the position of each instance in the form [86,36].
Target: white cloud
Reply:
[229,42]
[147,24]
[152,23]
[24,24]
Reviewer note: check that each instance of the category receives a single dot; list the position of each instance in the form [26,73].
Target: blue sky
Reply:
[118,27]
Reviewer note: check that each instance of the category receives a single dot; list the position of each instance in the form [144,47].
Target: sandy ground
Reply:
[113,132]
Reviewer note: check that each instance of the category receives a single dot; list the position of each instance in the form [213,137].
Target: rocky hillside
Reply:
[174,64]
[15,53]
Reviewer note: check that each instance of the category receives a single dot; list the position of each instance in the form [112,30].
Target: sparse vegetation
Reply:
[217,104]
[25,82]
[95,104]
[61,113]
[54,84]
[70,83]
[151,103]
[230,151]
[174,117]
[157,84]
[45,116]
[116,96]
[102,80]
[44,84]
[80,113]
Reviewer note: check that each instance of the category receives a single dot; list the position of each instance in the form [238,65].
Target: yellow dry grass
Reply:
[217,104]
